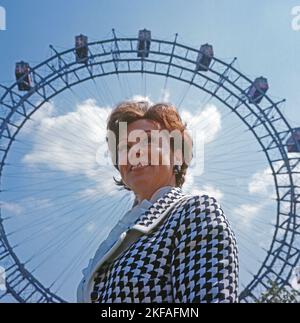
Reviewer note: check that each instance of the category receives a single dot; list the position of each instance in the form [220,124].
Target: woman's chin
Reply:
[140,177]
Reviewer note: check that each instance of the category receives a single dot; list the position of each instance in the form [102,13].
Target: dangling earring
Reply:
[176,169]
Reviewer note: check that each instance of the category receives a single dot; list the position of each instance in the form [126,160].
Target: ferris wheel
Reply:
[196,69]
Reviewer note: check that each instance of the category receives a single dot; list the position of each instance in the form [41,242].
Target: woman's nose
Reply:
[138,154]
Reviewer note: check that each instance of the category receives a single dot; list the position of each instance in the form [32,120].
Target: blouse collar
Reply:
[134,216]
[145,203]
[136,211]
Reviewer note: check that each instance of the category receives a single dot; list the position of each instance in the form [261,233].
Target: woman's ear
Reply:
[120,172]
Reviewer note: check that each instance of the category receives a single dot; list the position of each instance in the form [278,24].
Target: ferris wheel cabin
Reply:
[257,90]
[81,48]
[205,56]
[22,73]
[292,146]
[144,42]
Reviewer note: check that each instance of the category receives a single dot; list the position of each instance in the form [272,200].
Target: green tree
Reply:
[276,294]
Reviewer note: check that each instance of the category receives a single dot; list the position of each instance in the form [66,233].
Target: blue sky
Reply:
[258,33]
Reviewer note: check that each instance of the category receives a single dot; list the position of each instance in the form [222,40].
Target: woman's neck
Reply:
[152,195]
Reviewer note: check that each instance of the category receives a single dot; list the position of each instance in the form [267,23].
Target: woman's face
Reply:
[146,179]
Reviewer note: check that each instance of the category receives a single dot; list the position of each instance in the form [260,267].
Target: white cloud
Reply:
[25,205]
[245,213]
[207,122]
[262,182]
[165,95]
[192,188]
[12,208]
[91,226]
[142,98]
[204,128]
[209,190]
[45,111]
[261,185]
[74,143]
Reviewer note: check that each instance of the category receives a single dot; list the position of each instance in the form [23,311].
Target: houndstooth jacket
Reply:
[181,250]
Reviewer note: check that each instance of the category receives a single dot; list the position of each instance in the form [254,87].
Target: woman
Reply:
[170,247]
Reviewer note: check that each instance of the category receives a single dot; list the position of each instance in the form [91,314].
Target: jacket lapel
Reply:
[152,217]
[145,223]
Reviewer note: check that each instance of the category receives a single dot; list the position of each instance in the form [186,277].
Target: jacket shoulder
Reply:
[201,208]
[201,202]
